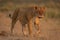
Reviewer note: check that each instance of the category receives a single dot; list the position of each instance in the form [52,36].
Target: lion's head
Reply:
[40,11]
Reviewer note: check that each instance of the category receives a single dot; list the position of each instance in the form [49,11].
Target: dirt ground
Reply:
[50,30]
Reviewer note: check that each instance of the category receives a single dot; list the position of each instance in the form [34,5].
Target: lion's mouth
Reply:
[40,16]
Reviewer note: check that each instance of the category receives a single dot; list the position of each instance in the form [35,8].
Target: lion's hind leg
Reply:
[12,25]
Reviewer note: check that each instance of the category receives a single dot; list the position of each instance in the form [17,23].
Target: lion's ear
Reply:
[44,8]
[35,7]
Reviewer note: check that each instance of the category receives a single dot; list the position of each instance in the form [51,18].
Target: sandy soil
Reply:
[50,30]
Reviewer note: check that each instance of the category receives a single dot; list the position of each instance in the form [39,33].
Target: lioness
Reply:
[37,19]
[25,16]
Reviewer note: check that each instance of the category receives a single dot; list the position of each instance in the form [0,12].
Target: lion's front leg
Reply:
[38,28]
[37,25]
[30,28]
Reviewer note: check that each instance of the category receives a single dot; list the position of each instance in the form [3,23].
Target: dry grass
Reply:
[53,13]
